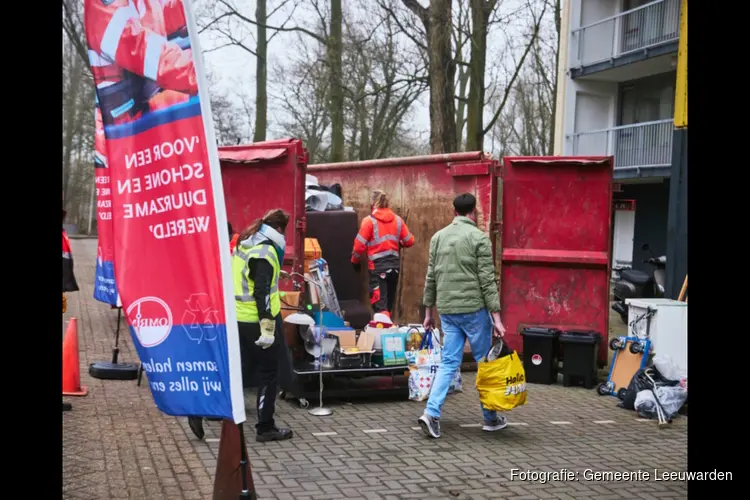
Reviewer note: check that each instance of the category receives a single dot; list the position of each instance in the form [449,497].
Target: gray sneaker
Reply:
[498,424]
[430,425]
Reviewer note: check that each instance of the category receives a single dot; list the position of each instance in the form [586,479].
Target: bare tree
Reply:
[383,81]
[474,21]
[330,39]
[481,10]
[552,81]
[526,125]
[72,22]
[232,114]
[261,63]
[78,118]
[336,101]
[230,24]
[303,101]
[436,20]
[461,37]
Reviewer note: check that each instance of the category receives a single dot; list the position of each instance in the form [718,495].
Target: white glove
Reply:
[267,328]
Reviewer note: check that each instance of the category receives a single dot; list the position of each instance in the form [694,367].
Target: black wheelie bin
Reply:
[540,351]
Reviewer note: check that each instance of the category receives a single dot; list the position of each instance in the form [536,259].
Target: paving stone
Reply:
[116,444]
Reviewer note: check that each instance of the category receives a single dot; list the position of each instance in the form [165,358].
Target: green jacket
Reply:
[461,270]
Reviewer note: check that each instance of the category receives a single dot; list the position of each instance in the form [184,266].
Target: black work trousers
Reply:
[260,368]
[383,286]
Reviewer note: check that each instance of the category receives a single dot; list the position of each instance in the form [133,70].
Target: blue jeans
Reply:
[477,328]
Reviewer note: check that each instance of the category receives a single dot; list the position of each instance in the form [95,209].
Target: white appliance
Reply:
[622,244]
[665,322]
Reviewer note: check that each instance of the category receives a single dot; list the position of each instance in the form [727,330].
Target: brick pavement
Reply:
[116,444]
[109,446]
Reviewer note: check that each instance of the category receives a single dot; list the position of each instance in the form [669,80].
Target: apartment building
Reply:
[618,75]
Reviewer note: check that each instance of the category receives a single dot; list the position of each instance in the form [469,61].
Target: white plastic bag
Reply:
[668,368]
[422,374]
[671,399]
[423,366]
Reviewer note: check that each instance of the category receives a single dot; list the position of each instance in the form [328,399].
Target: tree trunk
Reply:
[463,75]
[463,81]
[70,122]
[261,97]
[336,101]
[558,21]
[442,73]
[475,112]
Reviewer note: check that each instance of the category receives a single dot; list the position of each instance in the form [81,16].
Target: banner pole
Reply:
[243,463]
[230,464]
[116,347]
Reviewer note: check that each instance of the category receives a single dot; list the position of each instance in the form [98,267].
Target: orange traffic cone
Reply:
[71,366]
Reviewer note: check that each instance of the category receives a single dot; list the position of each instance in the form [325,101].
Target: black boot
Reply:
[67,406]
[196,425]
[274,434]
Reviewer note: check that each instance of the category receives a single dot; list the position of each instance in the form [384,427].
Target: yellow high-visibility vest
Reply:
[247,309]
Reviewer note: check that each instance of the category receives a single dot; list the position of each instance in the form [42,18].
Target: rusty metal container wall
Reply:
[263,176]
[556,245]
[423,187]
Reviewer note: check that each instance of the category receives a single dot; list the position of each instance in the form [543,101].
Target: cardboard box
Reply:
[312,249]
[347,336]
[352,346]
[312,252]
[365,344]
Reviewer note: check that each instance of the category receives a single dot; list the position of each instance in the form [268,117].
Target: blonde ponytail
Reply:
[379,199]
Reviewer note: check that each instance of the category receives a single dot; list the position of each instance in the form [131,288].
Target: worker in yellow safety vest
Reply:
[256,266]
[257,255]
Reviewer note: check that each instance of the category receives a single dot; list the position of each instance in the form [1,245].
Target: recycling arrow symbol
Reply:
[200,318]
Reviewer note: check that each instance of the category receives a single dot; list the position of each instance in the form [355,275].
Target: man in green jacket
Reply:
[461,283]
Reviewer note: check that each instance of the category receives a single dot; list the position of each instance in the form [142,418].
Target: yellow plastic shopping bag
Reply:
[501,383]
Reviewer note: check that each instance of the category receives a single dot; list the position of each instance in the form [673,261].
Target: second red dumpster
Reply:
[556,245]
[262,176]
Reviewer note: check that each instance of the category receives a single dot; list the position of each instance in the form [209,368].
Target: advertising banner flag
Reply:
[105,289]
[169,229]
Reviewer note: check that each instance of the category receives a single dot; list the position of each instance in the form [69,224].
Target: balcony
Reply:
[640,150]
[644,39]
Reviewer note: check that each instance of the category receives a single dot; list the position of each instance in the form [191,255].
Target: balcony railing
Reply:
[637,29]
[643,145]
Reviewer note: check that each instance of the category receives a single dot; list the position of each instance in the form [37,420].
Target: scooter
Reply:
[637,284]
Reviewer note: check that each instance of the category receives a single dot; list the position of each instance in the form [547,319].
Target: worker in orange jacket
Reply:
[380,236]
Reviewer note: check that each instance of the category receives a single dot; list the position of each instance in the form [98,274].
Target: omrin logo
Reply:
[151,319]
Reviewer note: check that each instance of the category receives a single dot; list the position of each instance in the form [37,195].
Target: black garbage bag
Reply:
[336,189]
[640,382]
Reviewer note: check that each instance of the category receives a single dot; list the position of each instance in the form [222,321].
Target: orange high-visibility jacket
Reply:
[380,235]
[233,242]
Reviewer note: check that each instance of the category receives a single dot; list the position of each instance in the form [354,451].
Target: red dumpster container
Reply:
[422,187]
[553,260]
[262,176]
[556,245]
